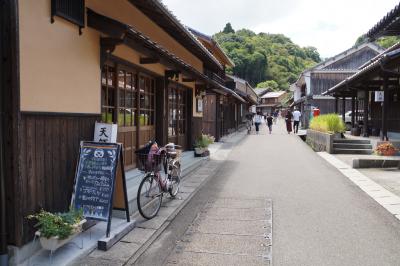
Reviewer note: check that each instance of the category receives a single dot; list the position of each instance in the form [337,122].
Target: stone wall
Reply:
[320,141]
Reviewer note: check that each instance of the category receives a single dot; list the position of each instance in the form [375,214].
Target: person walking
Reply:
[276,113]
[258,119]
[296,120]
[288,119]
[269,122]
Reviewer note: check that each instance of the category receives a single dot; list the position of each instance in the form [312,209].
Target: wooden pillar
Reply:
[343,108]
[365,115]
[336,105]
[353,111]
[217,117]
[161,112]
[190,127]
[356,109]
[384,109]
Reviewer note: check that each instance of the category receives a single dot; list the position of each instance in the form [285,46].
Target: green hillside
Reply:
[384,42]
[269,58]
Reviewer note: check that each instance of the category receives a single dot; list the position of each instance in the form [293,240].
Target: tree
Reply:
[228,28]
[272,84]
[265,57]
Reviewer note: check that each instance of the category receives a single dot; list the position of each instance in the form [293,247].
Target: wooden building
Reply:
[375,86]
[271,101]
[224,110]
[67,64]
[313,82]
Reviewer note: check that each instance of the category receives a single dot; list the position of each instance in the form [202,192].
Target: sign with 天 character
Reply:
[106,133]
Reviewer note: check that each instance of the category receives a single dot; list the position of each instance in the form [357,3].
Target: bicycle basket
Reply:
[149,162]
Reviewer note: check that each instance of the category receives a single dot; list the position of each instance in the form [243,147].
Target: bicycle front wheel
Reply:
[149,196]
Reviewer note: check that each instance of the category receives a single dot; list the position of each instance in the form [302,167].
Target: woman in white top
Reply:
[258,119]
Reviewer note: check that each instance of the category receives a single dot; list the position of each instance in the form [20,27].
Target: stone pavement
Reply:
[228,231]
[319,216]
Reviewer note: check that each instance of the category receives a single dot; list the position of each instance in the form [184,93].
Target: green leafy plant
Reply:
[204,141]
[57,224]
[329,123]
[386,149]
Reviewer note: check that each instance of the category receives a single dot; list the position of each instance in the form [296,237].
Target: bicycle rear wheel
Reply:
[175,179]
[149,196]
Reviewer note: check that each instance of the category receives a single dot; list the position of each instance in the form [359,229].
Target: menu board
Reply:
[95,179]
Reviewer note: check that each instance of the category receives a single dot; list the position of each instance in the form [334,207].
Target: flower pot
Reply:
[388,153]
[53,243]
[201,152]
[355,131]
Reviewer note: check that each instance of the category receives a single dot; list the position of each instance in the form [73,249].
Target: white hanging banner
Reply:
[105,132]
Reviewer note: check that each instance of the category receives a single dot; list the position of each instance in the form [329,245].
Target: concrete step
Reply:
[352,141]
[351,146]
[352,151]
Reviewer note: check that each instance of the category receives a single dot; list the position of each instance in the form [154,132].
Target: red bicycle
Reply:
[154,184]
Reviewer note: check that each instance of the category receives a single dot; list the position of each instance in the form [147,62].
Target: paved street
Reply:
[273,198]
[319,216]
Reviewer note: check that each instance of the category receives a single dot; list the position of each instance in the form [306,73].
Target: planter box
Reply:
[320,141]
[201,152]
[54,243]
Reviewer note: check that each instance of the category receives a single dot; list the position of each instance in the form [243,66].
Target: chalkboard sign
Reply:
[95,179]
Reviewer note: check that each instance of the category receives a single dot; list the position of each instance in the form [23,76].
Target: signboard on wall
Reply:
[379,96]
[199,105]
[106,133]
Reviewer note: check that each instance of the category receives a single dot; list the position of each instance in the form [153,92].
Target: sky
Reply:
[330,26]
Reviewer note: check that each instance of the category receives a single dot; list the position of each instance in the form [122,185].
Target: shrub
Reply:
[386,149]
[329,123]
[57,224]
[204,141]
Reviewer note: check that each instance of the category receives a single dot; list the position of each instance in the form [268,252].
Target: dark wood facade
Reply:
[49,149]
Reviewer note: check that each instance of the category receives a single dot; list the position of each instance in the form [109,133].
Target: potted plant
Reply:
[56,229]
[201,145]
[386,149]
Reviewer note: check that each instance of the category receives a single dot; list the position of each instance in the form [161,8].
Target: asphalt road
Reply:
[319,216]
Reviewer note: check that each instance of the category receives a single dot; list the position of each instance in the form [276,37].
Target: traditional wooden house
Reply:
[224,111]
[67,64]
[308,89]
[374,88]
[271,101]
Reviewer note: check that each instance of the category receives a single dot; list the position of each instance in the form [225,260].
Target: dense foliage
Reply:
[265,57]
[329,123]
[385,42]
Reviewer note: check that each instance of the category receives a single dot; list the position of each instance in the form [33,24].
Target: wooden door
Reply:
[177,115]
[146,109]
[119,106]
[209,115]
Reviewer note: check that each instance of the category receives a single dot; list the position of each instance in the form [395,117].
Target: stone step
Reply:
[352,151]
[352,146]
[352,141]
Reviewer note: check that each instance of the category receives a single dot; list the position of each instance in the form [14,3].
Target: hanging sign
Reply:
[105,132]
[379,96]
[95,180]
